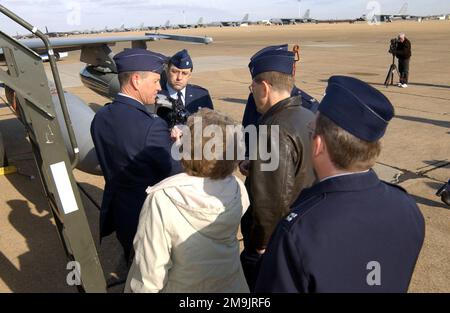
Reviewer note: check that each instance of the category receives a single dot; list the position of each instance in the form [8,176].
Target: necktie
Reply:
[180,98]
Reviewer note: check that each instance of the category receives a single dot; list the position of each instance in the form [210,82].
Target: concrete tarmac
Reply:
[416,148]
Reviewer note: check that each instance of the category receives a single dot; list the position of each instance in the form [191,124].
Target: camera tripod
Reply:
[390,76]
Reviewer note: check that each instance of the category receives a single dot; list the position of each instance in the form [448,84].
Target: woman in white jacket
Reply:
[186,239]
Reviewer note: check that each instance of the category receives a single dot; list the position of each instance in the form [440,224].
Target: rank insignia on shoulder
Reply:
[291,216]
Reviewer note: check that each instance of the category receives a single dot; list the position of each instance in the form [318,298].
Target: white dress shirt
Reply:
[174,94]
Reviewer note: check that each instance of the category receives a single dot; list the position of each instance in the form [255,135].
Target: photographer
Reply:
[403,52]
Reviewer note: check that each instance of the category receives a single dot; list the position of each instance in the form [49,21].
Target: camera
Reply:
[170,110]
[393,45]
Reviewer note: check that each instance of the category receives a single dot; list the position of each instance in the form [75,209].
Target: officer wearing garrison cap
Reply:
[272,191]
[251,115]
[132,145]
[350,232]
[178,74]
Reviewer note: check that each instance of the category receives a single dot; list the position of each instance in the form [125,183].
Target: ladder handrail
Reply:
[55,73]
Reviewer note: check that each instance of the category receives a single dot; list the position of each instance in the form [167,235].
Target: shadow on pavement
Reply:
[42,267]
[444,124]
[234,100]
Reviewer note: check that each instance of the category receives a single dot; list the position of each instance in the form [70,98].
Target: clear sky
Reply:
[64,15]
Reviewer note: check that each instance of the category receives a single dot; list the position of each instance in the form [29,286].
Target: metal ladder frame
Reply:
[26,76]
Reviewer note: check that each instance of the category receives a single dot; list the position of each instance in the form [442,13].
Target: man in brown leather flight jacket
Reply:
[273,189]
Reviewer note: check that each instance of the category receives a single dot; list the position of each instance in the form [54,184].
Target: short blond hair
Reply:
[278,81]
[124,77]
[346,151]
[220,166]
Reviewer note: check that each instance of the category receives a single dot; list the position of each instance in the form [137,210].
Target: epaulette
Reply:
[396,186]
[199,87]
[300,208]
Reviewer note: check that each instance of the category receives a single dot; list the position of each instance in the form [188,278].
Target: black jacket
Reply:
[273,192]
[403,49]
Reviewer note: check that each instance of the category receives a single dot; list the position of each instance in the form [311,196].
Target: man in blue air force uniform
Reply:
[350,232]
[178,74]
[132,145]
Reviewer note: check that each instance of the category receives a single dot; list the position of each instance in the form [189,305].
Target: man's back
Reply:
[251,115]
[133,148]
[129,141]
[404,49]
[352,233]
[273,192]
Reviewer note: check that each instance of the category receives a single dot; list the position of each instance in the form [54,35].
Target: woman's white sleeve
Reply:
[149,271]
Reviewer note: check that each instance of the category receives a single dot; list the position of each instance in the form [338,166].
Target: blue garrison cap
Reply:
[272,58]
[137,60]
[182,60]
[357,107]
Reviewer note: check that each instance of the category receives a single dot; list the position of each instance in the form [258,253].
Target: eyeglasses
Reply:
[250,88]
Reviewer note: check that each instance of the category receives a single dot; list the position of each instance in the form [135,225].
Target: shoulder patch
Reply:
[291,216]
[301,208]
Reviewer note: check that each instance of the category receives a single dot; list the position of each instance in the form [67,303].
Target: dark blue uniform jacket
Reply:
[335,230]
[133,148]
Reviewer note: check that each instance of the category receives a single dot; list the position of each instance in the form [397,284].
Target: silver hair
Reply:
[401,35]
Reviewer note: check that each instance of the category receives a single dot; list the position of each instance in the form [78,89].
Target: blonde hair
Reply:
[346,151]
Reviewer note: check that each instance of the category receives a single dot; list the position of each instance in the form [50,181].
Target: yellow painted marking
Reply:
[7,170]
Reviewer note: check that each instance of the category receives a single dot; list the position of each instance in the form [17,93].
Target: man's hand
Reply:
[244,167]
[175,134]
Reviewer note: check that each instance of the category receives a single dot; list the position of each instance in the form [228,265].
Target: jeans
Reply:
[403,68]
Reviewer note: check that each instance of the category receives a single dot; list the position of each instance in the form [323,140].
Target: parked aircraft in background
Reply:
[99,75]
[200,23]
[196,25]
[243,22]
[306,18]
[401,15]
